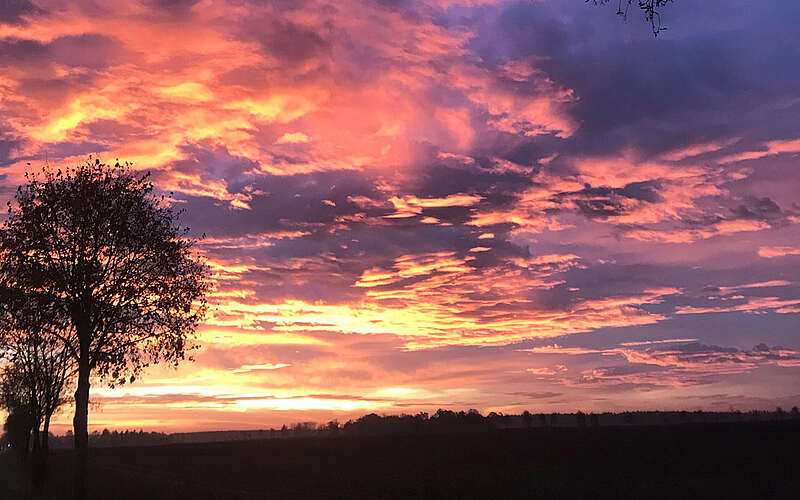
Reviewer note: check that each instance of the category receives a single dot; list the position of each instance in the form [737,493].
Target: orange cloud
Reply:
[771,252]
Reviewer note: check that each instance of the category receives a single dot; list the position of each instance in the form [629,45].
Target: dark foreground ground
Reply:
[743,460]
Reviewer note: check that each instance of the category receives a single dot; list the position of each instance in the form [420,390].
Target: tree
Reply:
[649,7]
[37,370]
[31,390]
[527,419]
[39,366]
[99,245]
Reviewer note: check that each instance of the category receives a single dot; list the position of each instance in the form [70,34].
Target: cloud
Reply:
[18,12]
[547,371]
[754,304]
[255,368]
[400,198]
[293,138]
[772,252]
[769,148]
[672,363]
[537,395]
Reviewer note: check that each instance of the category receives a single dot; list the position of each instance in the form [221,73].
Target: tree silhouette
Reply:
[527,418]
[649,7]
[39,365]
[17,429]
[97,244]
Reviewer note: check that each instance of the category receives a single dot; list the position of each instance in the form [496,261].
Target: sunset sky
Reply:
[415,204]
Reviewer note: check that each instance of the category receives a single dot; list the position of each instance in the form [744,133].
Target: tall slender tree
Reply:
[97,243]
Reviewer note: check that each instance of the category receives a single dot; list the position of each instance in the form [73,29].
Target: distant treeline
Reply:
[113,438]
[472,420]
[442,421]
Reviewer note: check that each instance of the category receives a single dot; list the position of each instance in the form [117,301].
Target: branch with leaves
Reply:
[649,7]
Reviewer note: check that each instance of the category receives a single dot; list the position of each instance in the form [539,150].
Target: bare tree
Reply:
[102,248]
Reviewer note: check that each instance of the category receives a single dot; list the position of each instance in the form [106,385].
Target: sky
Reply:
[421,204]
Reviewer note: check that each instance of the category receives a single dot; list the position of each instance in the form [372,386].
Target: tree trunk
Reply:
[44,452]
[80,423]
[26,449]
[35,439]
[46,435]
[38,455]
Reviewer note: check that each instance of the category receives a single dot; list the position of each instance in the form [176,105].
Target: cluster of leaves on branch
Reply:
[649,7]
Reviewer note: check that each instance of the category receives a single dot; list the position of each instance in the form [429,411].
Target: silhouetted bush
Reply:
[18,426]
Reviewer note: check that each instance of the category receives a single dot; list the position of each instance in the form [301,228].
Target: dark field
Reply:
[742,460]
